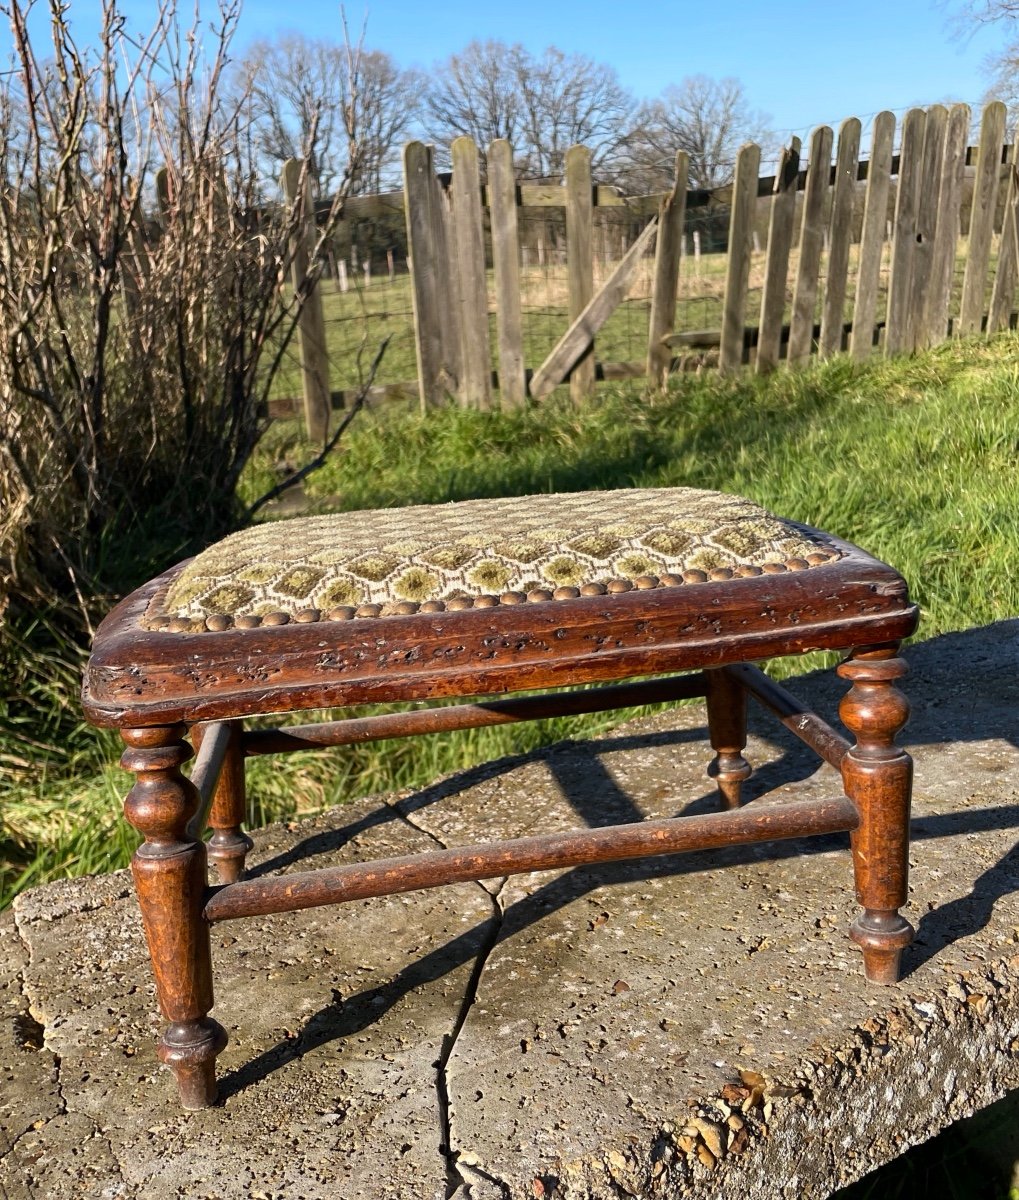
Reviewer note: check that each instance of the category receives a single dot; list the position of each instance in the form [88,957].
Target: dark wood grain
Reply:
[877,776]
[170,878]
[384,877]
[140,677]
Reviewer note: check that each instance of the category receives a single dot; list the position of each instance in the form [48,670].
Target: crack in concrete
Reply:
[455,1178]
[456,1182]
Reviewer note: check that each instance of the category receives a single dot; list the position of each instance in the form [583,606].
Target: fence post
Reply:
[468,251]
[776,270]
[506,261]
[981,221]
[847,159]
[426,238]
[928,218]
[946,238]
[737,272]
[900,282]
[665,288]
[579,261]
[1005,276]
[801,330]
[872,240]
[311,323]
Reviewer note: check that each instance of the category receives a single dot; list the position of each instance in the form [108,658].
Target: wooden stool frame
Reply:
[159,687]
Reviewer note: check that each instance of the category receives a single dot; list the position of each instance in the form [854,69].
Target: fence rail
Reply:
[885,254]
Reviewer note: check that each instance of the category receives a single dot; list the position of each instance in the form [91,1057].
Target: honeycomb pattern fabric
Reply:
[480,552]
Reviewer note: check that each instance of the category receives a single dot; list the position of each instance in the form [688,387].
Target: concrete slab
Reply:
[696,1025]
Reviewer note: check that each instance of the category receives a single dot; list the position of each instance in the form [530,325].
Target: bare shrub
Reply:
[143,306]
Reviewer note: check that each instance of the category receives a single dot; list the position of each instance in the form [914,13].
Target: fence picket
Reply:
[426,242]
[847,161]
[900,282]
[801,330]
[1003,290]
[468,248]
[981,223]
[872,239]
[946,237]
[668,251]
[311,330]
[927,219]
[506,261]
[579,259]
[776,269]
[737,275]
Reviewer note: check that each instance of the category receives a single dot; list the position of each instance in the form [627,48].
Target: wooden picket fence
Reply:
[803,310]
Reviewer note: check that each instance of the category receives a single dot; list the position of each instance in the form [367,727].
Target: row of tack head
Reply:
[220,622]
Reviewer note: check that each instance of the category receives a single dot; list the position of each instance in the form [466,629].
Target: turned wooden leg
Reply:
[229,845]
[727,728]
[169,871]
[878,776]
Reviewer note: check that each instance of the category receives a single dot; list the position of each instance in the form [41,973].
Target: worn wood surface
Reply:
[907,198]
[138,677]
[981,223]
[311,329]
[428,278]
[801,327]
[665,288]
[579,259]
[741,246]
[1003,291]
[468,251]
[946,238]
[928,209]
[776,271]
[872,239]
[333,885]
[506,263]
[877,776]
[840,238]
[382,726]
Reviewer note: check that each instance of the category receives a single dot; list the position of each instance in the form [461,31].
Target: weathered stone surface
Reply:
[336,1021]
[696,1025]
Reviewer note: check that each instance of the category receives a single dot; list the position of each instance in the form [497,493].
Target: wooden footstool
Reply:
[488,598]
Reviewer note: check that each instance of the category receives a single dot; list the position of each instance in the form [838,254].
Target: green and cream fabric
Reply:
[477,553]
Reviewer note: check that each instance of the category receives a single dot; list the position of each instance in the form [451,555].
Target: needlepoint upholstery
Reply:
[479,552]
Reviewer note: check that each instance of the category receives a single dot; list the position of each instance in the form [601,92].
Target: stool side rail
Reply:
[331,885]
[442,719]
[806,725]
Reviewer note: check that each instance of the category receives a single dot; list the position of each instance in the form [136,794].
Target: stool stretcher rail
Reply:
[471,716]
[384,877]
[807,726]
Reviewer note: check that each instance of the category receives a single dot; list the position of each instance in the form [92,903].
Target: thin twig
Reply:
[303,472]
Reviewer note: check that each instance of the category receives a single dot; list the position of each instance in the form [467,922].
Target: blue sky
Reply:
[802,63]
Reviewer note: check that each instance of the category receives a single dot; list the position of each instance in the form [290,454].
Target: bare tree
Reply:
[708,118]
[1002,66]
[541,104]
[296,84]
[475,94]
[568,100]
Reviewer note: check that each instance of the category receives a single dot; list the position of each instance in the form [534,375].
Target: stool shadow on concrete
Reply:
[956,715]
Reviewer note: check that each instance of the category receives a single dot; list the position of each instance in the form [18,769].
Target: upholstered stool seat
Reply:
[488,598]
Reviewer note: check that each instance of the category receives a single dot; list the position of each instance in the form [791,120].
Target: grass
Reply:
[913,459]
